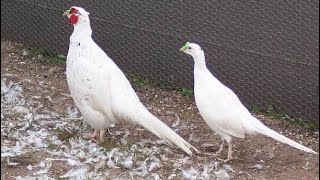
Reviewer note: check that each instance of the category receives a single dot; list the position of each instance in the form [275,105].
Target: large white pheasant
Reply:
[101,91]
[222,110]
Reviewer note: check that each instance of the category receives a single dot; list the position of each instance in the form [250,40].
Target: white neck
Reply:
[201,72]
[81,31]
[199,61]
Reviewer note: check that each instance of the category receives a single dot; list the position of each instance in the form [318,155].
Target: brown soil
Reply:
[279,161]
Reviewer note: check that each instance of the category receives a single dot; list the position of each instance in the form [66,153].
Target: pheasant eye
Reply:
[189,47]
[73,11]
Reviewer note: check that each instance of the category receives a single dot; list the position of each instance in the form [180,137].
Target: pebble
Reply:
[29,167]
[25,53]
[258,166]
[81,155]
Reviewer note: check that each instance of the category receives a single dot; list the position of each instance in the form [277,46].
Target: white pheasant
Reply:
[222,110]
[101,91]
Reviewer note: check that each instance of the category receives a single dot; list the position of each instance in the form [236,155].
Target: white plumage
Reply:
[222,110]
[101,91]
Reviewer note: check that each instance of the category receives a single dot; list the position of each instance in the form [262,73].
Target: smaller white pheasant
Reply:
[222,110]
[101,91]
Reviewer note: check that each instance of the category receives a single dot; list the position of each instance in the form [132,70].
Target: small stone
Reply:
[81,155]
[29,167]
[25,53]
[123,141]
[258,166]
[11,125]
[271,155]
[228,168]
[62,56]
[52,70]
[42,164]
[128,162]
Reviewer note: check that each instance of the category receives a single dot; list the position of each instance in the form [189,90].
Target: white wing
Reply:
[112,95]
[219,106]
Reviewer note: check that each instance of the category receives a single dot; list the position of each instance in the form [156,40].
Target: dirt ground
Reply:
[41,135]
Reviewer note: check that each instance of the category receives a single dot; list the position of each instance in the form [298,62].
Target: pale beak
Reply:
[67,13]
[185,47]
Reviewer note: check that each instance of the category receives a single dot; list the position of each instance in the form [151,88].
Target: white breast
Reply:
[87,86]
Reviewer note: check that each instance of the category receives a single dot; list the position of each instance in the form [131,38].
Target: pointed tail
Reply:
[157,127]
[262,129]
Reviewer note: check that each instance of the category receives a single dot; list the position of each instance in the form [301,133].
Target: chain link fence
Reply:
[267,51]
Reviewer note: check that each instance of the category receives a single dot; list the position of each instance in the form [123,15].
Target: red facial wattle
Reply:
[73,19]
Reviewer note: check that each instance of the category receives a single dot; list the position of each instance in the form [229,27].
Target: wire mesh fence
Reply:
[267,51]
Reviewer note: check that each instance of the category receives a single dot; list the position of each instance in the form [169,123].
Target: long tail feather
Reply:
[157,127]
[261,128]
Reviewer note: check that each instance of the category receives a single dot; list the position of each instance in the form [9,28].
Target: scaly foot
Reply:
[91,136]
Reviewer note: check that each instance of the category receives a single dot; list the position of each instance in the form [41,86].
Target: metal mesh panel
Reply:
[266,51]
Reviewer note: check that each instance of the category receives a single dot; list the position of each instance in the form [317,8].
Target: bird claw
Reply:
[91,136]
[94,136]
[219,159]
[230,157]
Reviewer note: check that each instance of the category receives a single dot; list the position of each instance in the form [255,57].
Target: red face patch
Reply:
[74,16]
[73,19]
